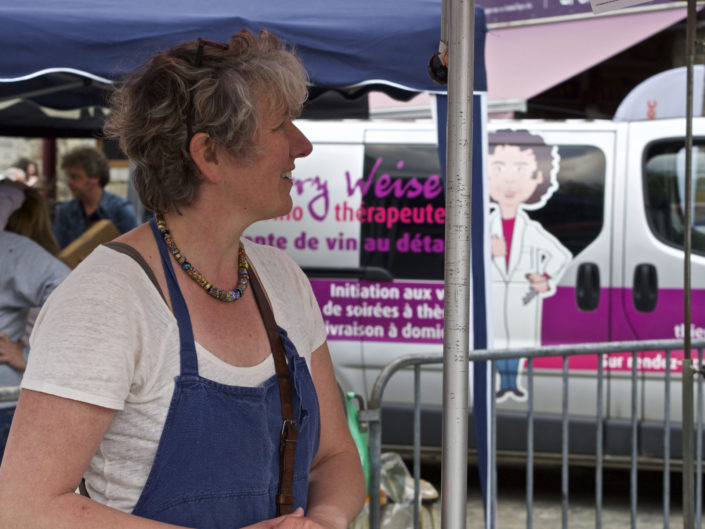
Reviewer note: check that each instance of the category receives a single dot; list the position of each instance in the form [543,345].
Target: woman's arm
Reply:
[51,443]
[337,485]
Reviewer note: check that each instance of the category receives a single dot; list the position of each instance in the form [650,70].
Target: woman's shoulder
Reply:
[276,269]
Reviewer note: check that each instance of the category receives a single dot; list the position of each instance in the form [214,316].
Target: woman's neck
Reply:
[210,245]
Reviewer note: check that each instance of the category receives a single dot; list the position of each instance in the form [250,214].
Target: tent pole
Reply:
[687,369]
[461,24]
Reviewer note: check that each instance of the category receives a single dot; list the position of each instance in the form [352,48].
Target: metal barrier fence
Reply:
[373,416]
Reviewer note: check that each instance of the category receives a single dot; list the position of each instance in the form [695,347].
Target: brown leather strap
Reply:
[289,432]
[137,256]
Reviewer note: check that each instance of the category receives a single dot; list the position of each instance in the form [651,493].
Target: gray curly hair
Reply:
[151,109]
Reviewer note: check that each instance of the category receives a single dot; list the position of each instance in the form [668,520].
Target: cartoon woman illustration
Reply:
[527,260]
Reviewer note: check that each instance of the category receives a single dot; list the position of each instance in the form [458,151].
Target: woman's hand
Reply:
[295,520]
[11,352]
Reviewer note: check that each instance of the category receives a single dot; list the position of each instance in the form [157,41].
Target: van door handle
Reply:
[587,290]
[645,289]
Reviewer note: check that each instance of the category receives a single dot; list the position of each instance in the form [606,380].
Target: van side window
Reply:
[403,211]
[664,192]
[575,212]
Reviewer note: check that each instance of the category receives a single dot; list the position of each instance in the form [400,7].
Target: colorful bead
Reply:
[193,273]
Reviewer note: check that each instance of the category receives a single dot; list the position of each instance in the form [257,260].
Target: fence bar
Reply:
[599,442]
[667,443]
[688,494]
[530,445]
[633,471]
[577,349]
[417,445]
[564,447]
[493,449]
[375,449]
[699,448]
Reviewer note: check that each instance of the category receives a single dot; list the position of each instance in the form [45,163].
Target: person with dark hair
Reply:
[528,261]
[87,174]
[182,370]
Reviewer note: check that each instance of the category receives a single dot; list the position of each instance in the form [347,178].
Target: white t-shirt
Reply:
[106,337]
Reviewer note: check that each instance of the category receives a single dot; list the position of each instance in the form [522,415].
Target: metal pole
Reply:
[456,338]
[687,385]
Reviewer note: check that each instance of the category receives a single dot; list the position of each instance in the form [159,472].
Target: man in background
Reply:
[87,173]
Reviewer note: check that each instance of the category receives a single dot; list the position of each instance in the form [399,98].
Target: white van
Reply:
[586,229]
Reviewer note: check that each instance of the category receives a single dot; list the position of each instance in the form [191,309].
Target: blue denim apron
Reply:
[217,463]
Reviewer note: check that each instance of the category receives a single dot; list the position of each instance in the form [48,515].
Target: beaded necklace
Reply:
[218,293]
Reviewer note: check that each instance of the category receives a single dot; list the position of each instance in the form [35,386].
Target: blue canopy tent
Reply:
[65,56]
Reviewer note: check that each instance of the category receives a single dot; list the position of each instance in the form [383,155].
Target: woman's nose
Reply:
[301,147]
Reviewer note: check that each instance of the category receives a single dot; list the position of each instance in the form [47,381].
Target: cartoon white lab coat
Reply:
[517,309]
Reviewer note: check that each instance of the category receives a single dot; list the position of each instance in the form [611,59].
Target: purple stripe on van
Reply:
[563,322]
[412,312]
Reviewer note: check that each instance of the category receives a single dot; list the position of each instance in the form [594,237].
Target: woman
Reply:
[32,220]
[29,272]
[169,406]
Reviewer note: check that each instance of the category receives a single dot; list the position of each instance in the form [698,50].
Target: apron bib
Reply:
[217,462]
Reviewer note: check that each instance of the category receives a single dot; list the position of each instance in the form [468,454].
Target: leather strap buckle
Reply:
[288,428]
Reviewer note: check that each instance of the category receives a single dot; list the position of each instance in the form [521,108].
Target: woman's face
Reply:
[263,183]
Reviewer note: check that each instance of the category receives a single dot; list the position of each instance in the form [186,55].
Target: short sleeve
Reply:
[88,336]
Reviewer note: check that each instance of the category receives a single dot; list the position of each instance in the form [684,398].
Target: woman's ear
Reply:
[204,154]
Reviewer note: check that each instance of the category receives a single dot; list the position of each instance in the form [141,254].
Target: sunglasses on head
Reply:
[197,62]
